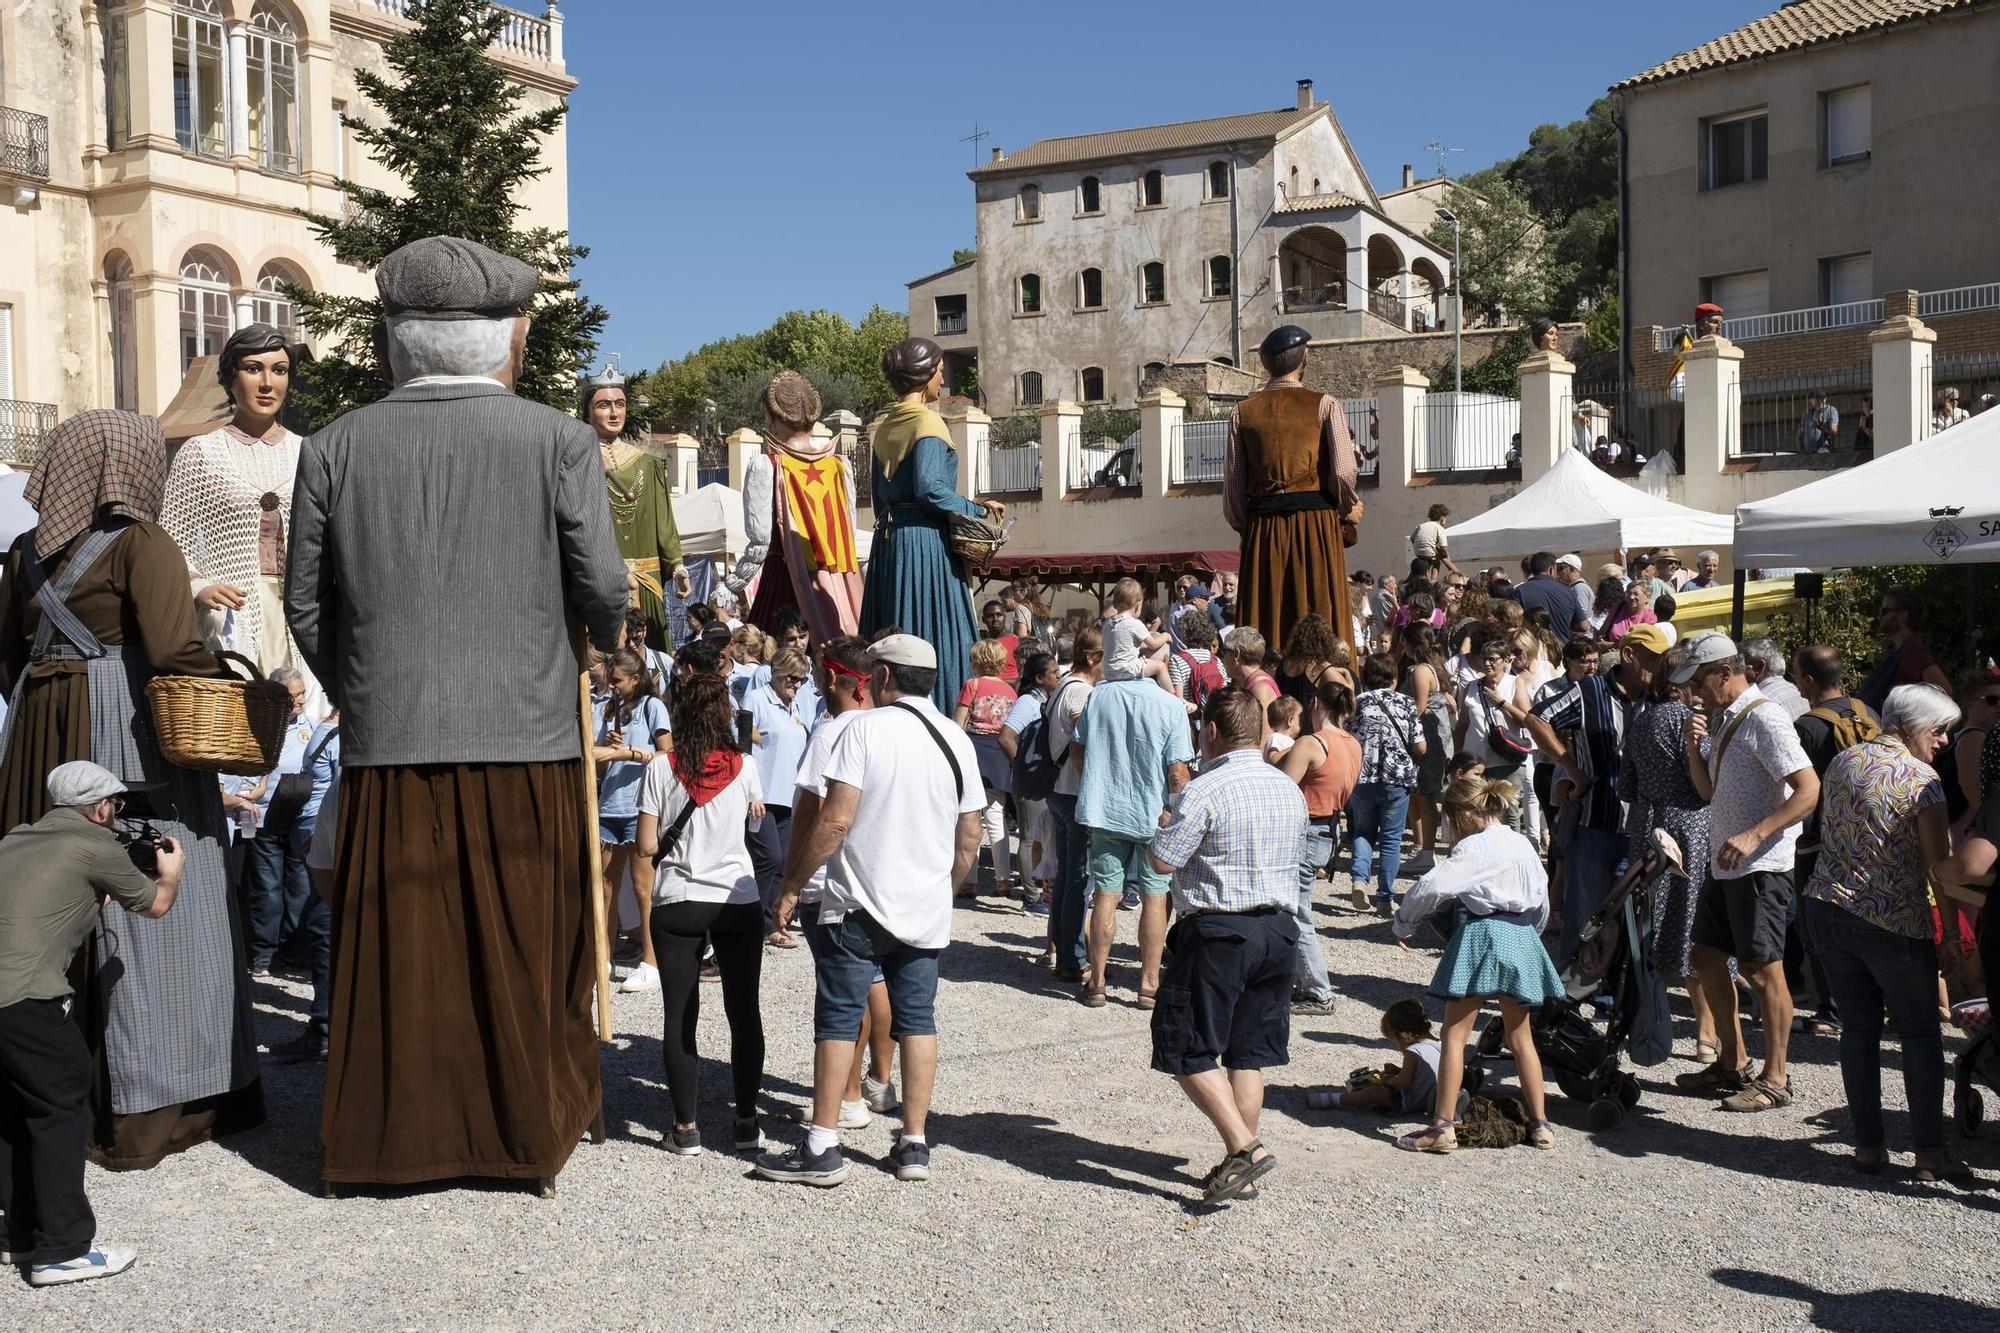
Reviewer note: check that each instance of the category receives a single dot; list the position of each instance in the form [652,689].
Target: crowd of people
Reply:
[836,765]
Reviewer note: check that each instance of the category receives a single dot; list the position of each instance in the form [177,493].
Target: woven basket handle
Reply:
[238,659]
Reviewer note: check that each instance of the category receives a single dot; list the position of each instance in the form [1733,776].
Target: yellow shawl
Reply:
[900,428]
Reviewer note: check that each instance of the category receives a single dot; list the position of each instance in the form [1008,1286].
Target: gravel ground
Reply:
[1064,1195]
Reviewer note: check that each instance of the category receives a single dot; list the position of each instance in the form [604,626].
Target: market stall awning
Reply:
[1934,502]
[1102,566]
[1577,506]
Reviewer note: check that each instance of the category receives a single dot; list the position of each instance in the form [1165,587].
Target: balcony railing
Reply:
[1958,300]
[1782,323]
[952,323]
[1392,308]
[24,144]
[23,427]
[522,36]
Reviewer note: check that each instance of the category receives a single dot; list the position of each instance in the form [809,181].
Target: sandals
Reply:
[1870,1161]
[1820,1027]
[1713,1078]
[1148,997]
[1540,1135]
[1441,1136]
[1093,997]
[1760,1095]
[1706,1052]
[1237,1172]
[1949,1170]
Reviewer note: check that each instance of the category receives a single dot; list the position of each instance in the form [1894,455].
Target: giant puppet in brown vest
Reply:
[1288,481]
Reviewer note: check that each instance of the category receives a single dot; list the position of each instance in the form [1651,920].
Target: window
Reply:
[1152,283]
[1218,180]
[124,332]
[117,79]
[1315,185]
[1847,279]
[1218,275]
[1847,125]
[271,305]
[1031,388]
[1092,380]
[199,90]
[6,350]
[1031,204]
[1089,196]
[1225,361]
[204,306]
[1294,191]
[1148,371]
[273,94]
[1737,150]
[1741,294]
[1031,294]
[1152,189]
[1090,289]
[950,314]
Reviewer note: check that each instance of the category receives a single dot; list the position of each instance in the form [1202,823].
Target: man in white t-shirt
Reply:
[897,829]
[1746,761]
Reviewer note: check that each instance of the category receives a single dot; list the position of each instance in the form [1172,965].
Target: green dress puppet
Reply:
[642,509]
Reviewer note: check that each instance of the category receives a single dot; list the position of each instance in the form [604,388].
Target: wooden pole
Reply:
[600,949]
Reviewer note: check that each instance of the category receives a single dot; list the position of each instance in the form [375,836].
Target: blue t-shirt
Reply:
[618,794]
[1027,708]
[1130,730]
[745,677]
[291,759]
[323,756]
[783,731]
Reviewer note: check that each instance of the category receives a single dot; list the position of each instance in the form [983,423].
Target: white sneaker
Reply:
[880,1095]
[854,1115]
[641,978]
[102,1261]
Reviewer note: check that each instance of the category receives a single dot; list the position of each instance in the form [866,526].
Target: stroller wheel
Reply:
[1969,1109]
[1604,1113]
[1628,1092]
[1576,1089]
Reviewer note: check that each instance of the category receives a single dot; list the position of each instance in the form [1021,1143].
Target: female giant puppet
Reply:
[642,506]
[799,497]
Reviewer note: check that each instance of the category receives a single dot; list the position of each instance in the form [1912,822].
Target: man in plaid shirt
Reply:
[1224,1007]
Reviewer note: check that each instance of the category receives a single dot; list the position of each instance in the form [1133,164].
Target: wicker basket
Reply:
[220,725]
[976,541]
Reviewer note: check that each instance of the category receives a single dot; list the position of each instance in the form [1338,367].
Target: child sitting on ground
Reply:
[1129,649]
[1285,714]
[1410,1086]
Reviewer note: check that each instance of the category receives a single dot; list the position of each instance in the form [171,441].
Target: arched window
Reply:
[1218,180]
[124,335]
[1315,185]
[1218,275]
[1031,203]
[1092,381]
[1224,361]
[205,323]
[270,305]
[1152,189]
[1295,183]
[273,93]
[1150,369]
[200,88]
[1089,198]
[1090,289]
[1152,282]
[1031,388]
[1031,294]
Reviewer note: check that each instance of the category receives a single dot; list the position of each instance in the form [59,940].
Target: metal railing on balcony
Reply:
[1779,324]
[24,144]
[523,36]
[958,323]
[1390,307]
[1305,300]
[23,427]
[1958,300]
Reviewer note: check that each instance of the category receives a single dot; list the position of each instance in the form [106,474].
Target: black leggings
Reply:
[737,932]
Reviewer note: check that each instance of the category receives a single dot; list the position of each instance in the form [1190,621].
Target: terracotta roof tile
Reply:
[1797,26]
[1313,203]
[1149,140]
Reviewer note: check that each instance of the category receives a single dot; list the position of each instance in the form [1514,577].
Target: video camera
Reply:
[142,840]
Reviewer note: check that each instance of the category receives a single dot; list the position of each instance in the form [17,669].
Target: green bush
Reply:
[1960,635]
[1017,428]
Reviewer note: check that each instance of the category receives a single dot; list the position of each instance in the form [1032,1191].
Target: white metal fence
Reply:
[1010,470]
[1958,300]
[1467,431]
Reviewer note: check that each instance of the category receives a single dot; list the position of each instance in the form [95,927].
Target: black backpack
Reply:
[1035,768]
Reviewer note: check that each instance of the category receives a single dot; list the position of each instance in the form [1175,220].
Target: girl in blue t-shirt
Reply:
[632,727]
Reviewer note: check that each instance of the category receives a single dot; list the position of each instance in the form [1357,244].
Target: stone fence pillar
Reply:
[1546,390]
[972,435]
[743,446]
[1714,404]
[1399,401]
[1062,445]
[1901,352]
[1160,415]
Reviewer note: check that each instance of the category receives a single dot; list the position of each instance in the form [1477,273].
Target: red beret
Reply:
[1705,309]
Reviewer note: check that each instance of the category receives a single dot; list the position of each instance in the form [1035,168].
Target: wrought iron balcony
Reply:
[24,144]
[23,427]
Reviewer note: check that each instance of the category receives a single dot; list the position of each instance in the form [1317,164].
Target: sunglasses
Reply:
[791,680]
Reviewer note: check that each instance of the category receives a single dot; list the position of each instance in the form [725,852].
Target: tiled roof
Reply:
[942,272]
[1313,203]
[1797,26]
[1150,140]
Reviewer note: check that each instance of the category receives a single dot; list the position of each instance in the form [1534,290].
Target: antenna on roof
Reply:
[974,138]
[1437,147]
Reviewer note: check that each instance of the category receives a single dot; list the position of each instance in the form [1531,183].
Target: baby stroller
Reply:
[1615,960]
[1979,1062]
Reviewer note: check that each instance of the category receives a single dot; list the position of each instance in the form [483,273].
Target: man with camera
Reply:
[58,870]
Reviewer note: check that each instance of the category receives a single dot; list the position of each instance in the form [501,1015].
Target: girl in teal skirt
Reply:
[1492,898]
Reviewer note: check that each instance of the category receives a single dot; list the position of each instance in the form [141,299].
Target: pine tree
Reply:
[451,132]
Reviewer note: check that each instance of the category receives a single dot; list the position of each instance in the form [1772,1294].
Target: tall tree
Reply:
[451,131]
[1568,179]
[843,360]
[1504,254]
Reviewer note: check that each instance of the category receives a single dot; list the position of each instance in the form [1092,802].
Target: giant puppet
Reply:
[642,505]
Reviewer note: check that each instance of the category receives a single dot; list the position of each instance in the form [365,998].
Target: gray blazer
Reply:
[444,543]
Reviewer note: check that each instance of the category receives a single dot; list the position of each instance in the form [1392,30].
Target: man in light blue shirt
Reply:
[277,874]
[321,759]
[1135,748]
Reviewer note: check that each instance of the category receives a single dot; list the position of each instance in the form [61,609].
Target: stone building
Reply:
[1104,258]
[153,154]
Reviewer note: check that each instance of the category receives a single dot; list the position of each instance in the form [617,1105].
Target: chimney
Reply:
[1305,94]
[999,153]
[1409,175]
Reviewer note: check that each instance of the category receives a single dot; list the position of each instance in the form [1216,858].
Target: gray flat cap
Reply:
[446,277]
[81,782]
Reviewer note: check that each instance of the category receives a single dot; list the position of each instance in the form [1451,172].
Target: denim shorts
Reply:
[816,936]
[1116,861]
[853,952]
[617,830]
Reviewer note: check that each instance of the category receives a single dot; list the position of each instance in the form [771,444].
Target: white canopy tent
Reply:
[1932,503]
[1576,506]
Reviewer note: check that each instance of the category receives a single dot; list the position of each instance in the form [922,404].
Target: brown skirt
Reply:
[461,1040]
[1293,565]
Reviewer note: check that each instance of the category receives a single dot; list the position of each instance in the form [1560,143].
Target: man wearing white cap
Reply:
[1569,573]
[898,828]
[56,871]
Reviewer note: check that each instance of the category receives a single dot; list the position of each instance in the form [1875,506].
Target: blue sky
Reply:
[731,162]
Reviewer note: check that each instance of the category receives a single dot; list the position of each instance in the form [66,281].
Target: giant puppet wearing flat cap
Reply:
[1288,483]
[642,508]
